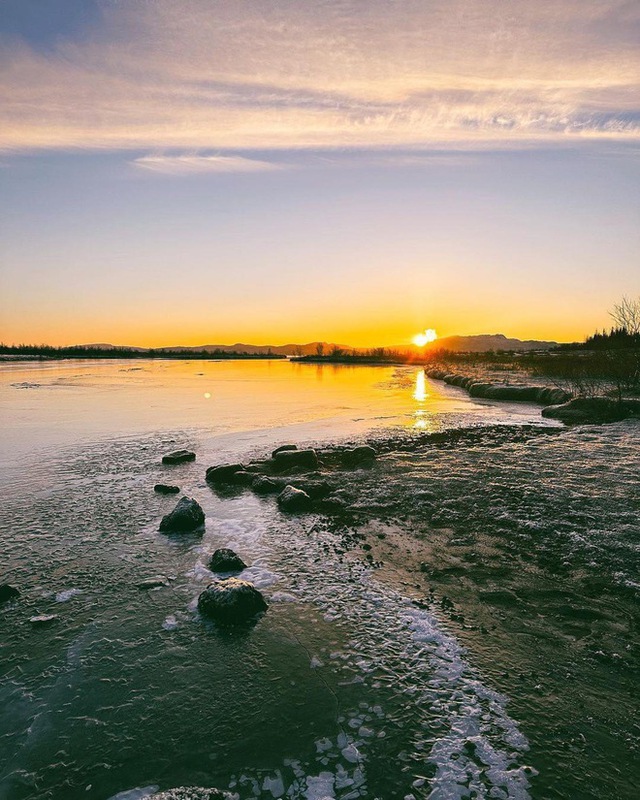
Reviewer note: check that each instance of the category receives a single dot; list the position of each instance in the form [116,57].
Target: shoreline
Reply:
[554,633]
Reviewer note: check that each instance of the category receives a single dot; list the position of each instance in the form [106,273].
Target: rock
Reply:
[292,499]
[178,457]
[593,410]
[225,560]
[263,485]
[8,593]
[288,459]
[165,488]
[231,601]
[241,478]
[223,473]
[43,619]
[153,583]
[285,448]
[358,455]
[186,516]
[316,489]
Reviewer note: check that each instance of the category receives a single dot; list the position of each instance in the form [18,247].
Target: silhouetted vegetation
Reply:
[44,351]
[377,355]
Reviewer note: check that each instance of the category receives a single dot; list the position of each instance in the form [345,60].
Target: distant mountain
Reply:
[311,348]
[480,344]
[456,344]
[106,346]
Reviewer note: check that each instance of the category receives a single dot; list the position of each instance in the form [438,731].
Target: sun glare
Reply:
[425,337]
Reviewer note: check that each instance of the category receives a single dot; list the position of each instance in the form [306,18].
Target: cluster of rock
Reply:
[290,474]
[544,395]
[293,475]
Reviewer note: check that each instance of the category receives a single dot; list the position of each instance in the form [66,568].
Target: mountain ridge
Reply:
[477,343]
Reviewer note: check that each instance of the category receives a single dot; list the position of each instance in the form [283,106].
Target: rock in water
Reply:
[231,601]
[223,473]
[165,488]
[263,485]
[292,499]
[186,516]
[178,457]
[225,560]
[288,459]
[358,455]
[284,448]
[8,593]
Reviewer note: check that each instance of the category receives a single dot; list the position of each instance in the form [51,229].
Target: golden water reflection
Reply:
[420,393]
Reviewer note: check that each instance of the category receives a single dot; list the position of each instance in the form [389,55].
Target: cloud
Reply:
[277,74]
[194,164]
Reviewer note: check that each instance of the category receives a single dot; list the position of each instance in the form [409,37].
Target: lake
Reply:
[349,686]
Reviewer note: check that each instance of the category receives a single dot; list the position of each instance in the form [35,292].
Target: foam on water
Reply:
[458,725]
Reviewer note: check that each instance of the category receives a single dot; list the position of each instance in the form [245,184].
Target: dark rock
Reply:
[8,593]
[263,485]
[222,474]
[164,488]
[231,601]
[288,459]
[285,448]
[593,410]
[316,489]
[241,478]
[478,389]
[292,499]
[358,455]
[225,560]
[186,516]
[178,457]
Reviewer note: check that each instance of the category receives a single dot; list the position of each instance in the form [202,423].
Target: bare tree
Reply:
[320,349]
[626,315]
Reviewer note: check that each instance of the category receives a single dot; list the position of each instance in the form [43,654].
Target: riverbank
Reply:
[522,542]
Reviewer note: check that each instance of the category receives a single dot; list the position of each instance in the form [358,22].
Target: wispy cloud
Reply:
[194,164]
[262,74]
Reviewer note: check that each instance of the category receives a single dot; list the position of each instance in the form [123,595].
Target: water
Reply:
[345,688]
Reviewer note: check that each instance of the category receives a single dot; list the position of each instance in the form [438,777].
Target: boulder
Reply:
[242,477]
[231,601]
[8,593]
[225,560]
[285,448]
[292,499]
[358,455]
[165,488]
[186,516]
[263,485]
[178,457]
[316,489]
[288,459]
[222,473]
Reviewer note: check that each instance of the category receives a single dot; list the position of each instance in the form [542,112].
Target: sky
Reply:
[199,171]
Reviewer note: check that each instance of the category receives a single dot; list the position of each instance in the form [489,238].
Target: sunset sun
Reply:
[427,336]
